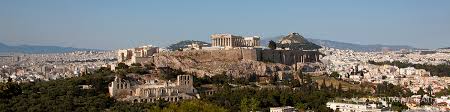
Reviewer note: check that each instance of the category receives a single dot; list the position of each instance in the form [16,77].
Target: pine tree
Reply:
[421,92]
[254,104]
[244,105]
[272,45]
[339,89]
[323,86]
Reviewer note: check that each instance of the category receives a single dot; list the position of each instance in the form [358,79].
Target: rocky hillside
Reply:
[209,63]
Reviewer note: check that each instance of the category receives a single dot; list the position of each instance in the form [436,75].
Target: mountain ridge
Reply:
[39,49]
[345,45]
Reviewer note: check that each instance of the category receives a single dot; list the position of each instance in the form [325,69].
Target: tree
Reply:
[421,92]
[334,74]
[150,66]
[8,90]
[300,106]
[323,86]
[429,90]
[254,104]
[272,45]
[136,64]
[397,106]
[244,105]
[122,66]
[339,89]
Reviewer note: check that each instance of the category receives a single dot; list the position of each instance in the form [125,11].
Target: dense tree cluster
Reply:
[304,95]
[136,68]
[442,70]
[58,95]
[67,95]
[387,89]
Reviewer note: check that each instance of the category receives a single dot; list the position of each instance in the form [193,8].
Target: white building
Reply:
[282,109]
[349,107]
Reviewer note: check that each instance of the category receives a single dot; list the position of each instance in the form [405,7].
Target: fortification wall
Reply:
[287,57]
[218,55]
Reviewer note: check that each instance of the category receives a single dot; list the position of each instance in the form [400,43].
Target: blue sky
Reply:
[113,24]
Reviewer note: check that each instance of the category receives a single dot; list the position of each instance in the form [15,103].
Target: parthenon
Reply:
[228,40]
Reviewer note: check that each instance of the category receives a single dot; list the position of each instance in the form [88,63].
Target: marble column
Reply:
[227,41]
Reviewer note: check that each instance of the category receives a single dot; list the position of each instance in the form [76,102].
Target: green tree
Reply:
[136,64]
[122,66]
[300,106]
[245,105]
[272,45]
[421,92]
[8,90]
[254,104]
[429,90]
[323,86]
[334,74]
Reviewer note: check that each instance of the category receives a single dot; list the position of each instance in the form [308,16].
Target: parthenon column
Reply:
[232,42]
[228,41]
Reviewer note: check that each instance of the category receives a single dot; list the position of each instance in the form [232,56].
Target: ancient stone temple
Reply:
[152,89]
[136,55]
[228,40]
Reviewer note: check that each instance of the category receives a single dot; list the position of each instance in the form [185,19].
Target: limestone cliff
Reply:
[209,63]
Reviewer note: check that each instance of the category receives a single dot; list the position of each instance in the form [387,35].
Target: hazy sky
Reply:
[111,24]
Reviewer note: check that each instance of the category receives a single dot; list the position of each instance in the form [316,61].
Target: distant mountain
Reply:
[343,45]
[445,48]
[39,49]
[185,43]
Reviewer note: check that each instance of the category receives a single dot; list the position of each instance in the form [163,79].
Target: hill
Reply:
[39,49]
[344,45]
[296,41]
[445,48]
[185,43]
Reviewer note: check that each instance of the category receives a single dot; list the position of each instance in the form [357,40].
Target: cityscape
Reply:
[61,65]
